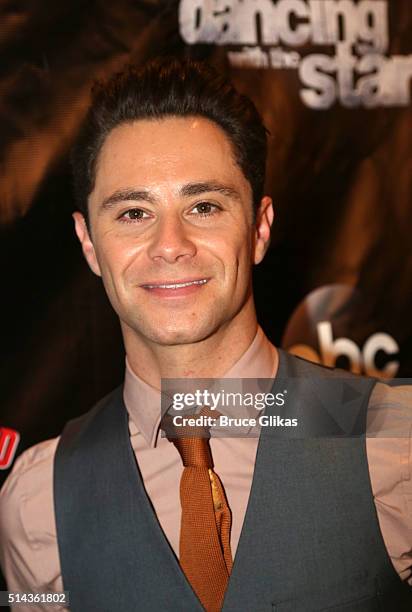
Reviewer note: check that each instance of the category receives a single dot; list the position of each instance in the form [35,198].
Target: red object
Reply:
[9,440]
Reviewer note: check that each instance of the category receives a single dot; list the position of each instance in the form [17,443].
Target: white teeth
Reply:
[178,285]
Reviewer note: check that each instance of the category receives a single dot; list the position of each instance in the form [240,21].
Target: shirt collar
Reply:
[143,401]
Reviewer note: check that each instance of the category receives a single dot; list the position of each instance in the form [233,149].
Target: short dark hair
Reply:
[167,87]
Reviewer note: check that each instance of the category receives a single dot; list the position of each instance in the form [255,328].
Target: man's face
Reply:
[171,229]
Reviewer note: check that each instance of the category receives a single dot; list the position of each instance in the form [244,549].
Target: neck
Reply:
[152,362]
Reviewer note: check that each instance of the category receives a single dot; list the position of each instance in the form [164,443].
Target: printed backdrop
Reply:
[332,79]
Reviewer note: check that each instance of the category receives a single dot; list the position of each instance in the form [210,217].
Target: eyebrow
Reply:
[188,190]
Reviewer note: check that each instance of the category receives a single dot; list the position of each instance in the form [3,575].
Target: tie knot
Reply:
[192,441]
[195,452]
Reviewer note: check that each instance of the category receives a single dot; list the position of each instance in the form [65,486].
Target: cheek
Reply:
[242,249]
[229,244]
[119,255]
[236,260]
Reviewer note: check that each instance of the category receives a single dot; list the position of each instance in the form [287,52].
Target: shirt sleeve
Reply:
[28,542]
[389,453]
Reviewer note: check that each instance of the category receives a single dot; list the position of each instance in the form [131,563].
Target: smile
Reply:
[201,281]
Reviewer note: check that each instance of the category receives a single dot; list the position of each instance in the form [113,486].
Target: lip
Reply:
[168,288]
[180,281]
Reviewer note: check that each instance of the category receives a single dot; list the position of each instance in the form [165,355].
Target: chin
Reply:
[172,338]
[169,336]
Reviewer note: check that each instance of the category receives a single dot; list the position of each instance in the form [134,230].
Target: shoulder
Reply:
[390,411]
[28,489]
[392,395]
[334,386]
[389,436]
[32,471]
[81,433]
[27,525]
[301,367]
[389,453]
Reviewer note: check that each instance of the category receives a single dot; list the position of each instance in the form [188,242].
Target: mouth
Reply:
[175,284]
[175,288]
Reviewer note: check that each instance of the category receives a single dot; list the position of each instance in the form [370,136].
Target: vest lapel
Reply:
[247,572]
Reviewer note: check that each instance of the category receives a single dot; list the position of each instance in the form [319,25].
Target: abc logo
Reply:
[309,334]
[361,360]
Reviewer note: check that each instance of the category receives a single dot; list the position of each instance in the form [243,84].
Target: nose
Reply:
[170,241]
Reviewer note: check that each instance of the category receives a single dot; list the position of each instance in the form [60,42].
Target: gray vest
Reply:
[310,539]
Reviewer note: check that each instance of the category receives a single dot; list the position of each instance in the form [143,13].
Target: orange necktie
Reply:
[205,555]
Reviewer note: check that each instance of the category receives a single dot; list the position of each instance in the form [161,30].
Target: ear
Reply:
[264,220]
[85,240]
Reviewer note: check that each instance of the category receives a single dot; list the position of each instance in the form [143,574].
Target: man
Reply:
[169,175]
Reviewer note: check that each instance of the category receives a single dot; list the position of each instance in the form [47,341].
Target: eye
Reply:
[206,209]
[132,215]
